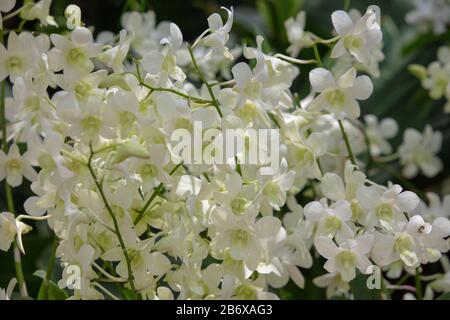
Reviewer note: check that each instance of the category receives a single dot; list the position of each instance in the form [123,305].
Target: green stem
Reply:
[21,25]
[319,166]
[370,159]
[138,71]
[9,198]
[3,117]
[274,119]
[346,5]
[385,294]
[170,90]
[156,191]
[418,285]
[347,143]
[317,55]
[403,279]
[19,271]
[178,93]
[115,223]
[52,260]
[50,267]
[327,42]
[203,79]
[369,154]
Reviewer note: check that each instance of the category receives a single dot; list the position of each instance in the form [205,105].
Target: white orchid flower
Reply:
[350,255]
[339,97]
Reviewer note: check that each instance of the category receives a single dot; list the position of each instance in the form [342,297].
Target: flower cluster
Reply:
[96,118]
[436,78]
[430,15]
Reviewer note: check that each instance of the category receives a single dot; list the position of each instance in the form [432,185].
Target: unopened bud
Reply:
[130,149]
[420,72]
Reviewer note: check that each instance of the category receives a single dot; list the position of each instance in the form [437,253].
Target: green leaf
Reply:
[424,40]
[445,296]
[51,291]
[266,12]
[128,294]
[275,13]
[287,8]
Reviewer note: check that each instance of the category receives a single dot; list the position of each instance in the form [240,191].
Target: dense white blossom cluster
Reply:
[96,117]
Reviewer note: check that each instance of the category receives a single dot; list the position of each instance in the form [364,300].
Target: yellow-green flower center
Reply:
[357,211]
[76,57]
[82,90]
[240,238]
[332,224]
[248,112]
[353,43]
[345,259]
[91,125]
[239,205]
[14,64]
[385,212]
[335,98]
[244,292]
[403,243]
[14,165]
[33,103]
